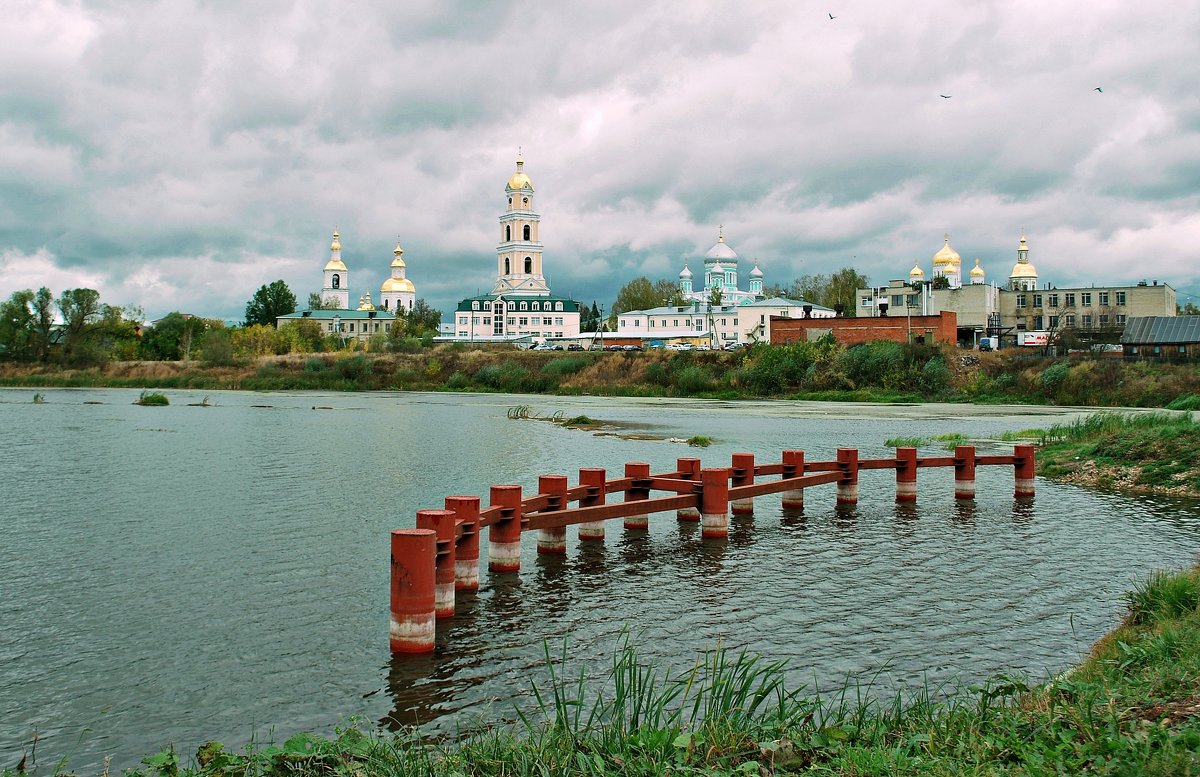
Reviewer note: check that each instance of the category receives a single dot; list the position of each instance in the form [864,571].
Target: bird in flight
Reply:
[831,16]
[1098,89]
[945,96]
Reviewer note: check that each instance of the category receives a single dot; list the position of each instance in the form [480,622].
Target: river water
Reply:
[170,575]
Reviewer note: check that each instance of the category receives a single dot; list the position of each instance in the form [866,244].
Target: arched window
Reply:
[558,306]
[475,305]
[525,232]
[507,232]
[528,265]
[385,303]
[337,281]
[506,269]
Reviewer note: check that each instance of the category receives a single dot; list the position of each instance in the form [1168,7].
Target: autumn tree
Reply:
[269,303]
[80,309]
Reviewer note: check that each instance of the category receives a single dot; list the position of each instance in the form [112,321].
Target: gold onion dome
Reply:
[1023,270]
[398,261]
[978,271]
[519,180]
[336,264]
[398,284]
[916,272]
[946,255]
[364,302]
[336,245]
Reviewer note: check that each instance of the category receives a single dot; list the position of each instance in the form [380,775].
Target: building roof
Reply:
[1145,330]
[349,315]
[569,305]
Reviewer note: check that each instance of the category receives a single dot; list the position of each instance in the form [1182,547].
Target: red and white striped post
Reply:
[412,625]
[593,478]
[714,502]
[442,524]
[466,553]
[964,472]
[743,475]
[793,467]
[1023,469]
[553,540]
[847,486]
[504,536]
[637,470]
[906,474]
[689,470]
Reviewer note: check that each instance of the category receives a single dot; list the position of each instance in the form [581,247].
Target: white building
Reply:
[714,325]
[721,277]
[521,304]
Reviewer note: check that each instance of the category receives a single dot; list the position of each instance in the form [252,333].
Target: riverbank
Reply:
[1132,707]
[874,372]
[1143,453]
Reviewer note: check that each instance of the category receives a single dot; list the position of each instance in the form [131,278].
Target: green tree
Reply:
[80,309]
[115,335]
[642,294]
[423,320]
[1188,309]
[17,326]
[842,287]
[43,322]
[269,303]
[316,303]
[715,295]
[172,337]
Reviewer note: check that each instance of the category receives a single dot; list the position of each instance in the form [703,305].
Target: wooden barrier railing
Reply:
[441,555]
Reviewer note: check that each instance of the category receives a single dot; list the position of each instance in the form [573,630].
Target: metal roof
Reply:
[1148,330]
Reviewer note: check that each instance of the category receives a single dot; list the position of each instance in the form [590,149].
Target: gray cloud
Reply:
[178,155]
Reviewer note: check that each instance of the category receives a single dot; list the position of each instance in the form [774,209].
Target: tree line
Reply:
[77,329]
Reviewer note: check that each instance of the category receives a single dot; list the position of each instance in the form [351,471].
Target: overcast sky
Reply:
[177,155]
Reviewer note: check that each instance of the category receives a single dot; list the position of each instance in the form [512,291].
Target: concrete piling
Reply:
[441,522]
[553,540]
[743,475]
[413,616]
[638,521]
[847,486]
[594,478]
[504,536]
[793,467]
[906,474]
[964,472]
[714,503]
[466,553]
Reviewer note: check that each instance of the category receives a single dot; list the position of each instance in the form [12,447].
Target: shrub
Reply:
[152,398]
[935,376]
[693,380]
[354,368]
[1052,378]
[564,365]
[459,381]
[1185,402]
[315,364]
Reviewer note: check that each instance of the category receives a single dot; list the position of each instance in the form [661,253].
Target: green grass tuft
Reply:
[699,441]
[152,399]
[905,442]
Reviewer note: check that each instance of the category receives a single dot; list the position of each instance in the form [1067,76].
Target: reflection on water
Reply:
[229,576]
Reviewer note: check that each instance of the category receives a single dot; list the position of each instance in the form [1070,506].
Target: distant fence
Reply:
[441,555]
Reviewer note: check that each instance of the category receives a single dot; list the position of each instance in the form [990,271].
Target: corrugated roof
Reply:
[1150,330]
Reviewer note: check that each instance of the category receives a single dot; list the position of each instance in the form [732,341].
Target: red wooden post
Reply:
[553,540]
[847,487]
[691,471]
[743,475]
[793,467]
[594,478]
[442,524]
[641,521]
[412,601]
[1023,469]
[504,536]
[466,554]
[964,472]
[906,474]
[714,503]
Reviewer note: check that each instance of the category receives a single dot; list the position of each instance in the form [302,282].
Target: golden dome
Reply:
[398,261]
[978,271]
[947,255]
[336,245]
[519,180]
[364,302]
[916,271]
[398,284]
[1023,270]
[336,264]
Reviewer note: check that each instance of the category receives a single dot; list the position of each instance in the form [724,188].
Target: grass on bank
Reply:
[1132,708]
[1150,450]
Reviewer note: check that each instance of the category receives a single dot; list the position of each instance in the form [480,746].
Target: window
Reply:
[474,319]
[897,301]
[1103,298]
[337,281]
[1053,300]
[535,305]
[1070,300]
[558,306]
[558,321]
[637,322]
[1020,300]
[1085,299]
[912,300]
[351,326]
[524,321]
[528,265]
[506,270]
[507,232]
[1053,321]
[1087,320]
[1037,322]
[487,320]
[1120,298]
[331,327]
[525,232]
[1103,319]
[475,305]
[722,322]
[735,322]
[524,305]
[1070,320]
[525,200]
[1037,302]
[462,320]
[512,321]
[675,322]
[512,306]
[866,302]
[462,333]
[1120,319]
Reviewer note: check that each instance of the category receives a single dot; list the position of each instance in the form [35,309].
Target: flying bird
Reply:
[945,96]
[1098,89]
[831,16]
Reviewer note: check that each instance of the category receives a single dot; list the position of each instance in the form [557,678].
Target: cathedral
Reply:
[720,277]
[521,304]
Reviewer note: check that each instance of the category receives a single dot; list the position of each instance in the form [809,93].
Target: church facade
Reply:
[521,304]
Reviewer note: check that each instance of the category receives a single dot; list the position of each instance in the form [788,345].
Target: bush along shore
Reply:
[873,372]
[1132,708]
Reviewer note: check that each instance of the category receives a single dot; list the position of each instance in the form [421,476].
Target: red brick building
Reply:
[942,328]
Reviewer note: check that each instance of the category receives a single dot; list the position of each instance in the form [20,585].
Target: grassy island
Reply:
[1132,708]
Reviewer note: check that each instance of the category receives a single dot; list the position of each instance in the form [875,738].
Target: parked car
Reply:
[632,347]
[734,346]
[574,347]
[612,348]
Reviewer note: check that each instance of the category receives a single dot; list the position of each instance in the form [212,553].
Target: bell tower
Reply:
[337,277]
[519,255]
